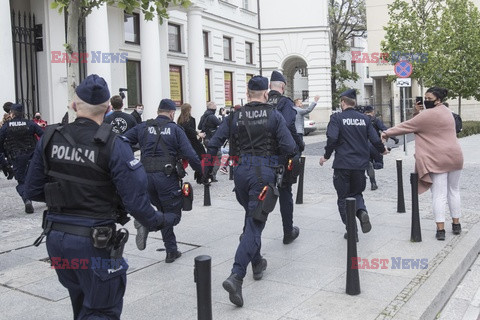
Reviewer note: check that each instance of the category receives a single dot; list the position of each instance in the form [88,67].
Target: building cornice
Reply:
[295,29]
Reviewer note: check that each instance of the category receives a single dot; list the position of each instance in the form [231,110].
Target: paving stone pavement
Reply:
[304,280]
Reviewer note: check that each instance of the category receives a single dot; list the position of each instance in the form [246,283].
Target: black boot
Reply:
[233,285]
[28,206]
[362,215]
[290,237]
[258,269]
[456,228]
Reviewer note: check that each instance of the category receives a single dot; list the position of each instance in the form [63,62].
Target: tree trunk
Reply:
[333,74]
[460,106]
[72,47]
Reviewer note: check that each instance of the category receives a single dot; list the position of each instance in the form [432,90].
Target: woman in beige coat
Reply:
[438,157]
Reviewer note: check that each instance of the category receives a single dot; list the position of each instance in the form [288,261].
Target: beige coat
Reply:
[436,145]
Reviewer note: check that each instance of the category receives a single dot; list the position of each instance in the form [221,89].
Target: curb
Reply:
[440,285]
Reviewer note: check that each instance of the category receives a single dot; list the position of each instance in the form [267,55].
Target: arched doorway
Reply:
[295,70]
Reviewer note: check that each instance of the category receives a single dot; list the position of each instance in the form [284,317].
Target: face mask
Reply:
[37,117]
[140,111]
[429,104]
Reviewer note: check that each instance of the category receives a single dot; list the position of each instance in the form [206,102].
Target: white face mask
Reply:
[140,111]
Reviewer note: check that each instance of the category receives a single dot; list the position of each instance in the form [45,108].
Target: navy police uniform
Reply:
[84,172]
[162,143]
[348,134]
[285,106]
[17,141]
[258,158]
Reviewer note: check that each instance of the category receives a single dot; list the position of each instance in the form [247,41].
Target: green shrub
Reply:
[469,128]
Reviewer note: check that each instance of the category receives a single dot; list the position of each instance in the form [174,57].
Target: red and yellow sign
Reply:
[228,89]
[176,85]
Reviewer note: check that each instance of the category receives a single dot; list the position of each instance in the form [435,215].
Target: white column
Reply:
[196,62]
[164,90]
[151,68]
[98,40]
[7,81]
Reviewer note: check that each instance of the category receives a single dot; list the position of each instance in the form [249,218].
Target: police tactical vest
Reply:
[274,98]
[158,161]
[18,138]
[262,142]
[76,158]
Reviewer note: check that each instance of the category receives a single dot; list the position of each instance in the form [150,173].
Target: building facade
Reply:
[206,52]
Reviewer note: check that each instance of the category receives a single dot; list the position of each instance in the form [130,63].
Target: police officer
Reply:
[120,121]
[259,134]
[376,159]
[17,142]
[94,169]
[162,143]
[286,107]
[209,124]
[348,134]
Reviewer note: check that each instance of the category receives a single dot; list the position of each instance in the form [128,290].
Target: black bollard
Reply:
[400,197]
[202,275]
[230,170]
[206,195]
[353,280]
[416,235]
[299,199]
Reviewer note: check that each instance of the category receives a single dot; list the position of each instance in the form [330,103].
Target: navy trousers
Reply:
[96,292]
[165,195]
[20,166]
[349,183]
[247,188]
[286,207]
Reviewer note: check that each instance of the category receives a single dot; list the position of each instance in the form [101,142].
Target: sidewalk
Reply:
[304,280]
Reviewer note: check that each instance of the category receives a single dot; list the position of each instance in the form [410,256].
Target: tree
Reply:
[449,32]
[347,19]
[78,9]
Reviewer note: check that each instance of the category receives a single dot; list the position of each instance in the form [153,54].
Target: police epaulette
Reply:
[102,134]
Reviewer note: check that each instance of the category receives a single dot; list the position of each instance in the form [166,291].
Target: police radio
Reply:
[187,196]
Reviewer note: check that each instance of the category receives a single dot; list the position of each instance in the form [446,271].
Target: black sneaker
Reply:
[172,256]
[28,206]
[440,235]
[362,215]
[456,228]
[142,235]
[289,238]
[234,288]
[345,236]
[374,186]
[259,268]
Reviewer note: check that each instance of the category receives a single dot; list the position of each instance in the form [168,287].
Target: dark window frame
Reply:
[229,49]
[206,44]
[139,93]
[249,45]
[179,39]
[182,100]
[136,27]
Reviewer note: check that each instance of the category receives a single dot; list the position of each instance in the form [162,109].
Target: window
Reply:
[249,53]
[176,84]
[367,71]
[207,84]
[343,64]
[227,48]
[174,39]
[134,83]
[352,42]
[354,66]
[206,52]
[131,24]
[228,80]
[249,76]
[245,4]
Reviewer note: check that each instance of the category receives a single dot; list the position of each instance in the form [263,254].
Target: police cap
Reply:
[277,76]
[93,90]
[350,93]
[258,83]
[16,107]
[368,109]
[167,104]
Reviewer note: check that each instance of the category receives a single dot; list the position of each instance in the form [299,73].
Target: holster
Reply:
[101,237]
[187,196]
[181,173]
[54,197]
[292,171]
[118,244]
[267,199]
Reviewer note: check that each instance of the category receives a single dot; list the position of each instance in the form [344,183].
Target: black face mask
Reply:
[429,104]
[37,117]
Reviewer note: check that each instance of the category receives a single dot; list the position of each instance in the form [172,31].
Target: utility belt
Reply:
[103,237]
[168,166]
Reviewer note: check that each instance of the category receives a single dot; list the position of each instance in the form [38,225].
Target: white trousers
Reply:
[446,189]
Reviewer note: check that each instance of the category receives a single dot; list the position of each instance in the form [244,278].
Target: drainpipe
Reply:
[259,39]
